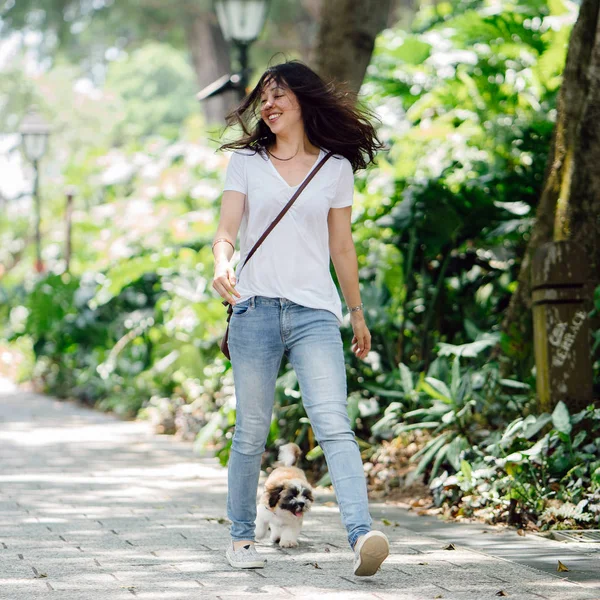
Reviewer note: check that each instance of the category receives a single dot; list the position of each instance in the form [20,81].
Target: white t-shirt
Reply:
[293,260]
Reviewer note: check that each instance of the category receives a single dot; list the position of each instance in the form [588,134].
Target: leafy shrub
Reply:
[544,469]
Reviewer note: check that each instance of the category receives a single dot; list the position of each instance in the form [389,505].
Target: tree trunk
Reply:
[580,221]
[569,206]
[210,58]
[346,38]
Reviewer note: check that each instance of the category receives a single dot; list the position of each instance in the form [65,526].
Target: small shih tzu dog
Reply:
[286,498]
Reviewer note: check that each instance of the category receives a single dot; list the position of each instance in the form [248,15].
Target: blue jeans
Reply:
[261,331]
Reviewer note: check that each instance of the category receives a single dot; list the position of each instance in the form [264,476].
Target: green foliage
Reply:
[91,34]
[450,416]
[157,87]
[118,338]
[82,32]
[466,110]
[453,407]
[537,465]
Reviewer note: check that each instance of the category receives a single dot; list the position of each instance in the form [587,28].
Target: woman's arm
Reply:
[343,255]
[232,210]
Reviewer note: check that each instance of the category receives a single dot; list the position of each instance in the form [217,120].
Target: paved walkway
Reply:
[94,508]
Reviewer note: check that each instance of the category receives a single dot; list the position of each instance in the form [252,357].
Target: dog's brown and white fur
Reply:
[286,498]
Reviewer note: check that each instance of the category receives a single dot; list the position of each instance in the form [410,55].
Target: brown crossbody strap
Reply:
[286,207]
[283,211]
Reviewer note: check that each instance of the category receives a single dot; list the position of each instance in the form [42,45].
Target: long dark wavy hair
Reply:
[332,120]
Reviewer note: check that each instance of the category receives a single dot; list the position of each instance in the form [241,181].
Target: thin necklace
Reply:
[290,158]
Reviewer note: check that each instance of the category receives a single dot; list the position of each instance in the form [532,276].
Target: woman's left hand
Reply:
[361,342]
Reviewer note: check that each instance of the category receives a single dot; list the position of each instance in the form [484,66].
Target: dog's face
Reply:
[293,496]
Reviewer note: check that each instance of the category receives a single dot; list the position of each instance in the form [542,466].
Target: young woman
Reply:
[285,302]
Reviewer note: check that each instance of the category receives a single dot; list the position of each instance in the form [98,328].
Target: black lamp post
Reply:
[241,22]
[34,135]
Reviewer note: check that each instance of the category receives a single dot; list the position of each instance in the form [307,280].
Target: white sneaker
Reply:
[245,557]
[371,550]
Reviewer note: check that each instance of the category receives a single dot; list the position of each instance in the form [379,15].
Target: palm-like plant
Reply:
[451,417]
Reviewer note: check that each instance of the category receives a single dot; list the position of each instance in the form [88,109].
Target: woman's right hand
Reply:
[224,281]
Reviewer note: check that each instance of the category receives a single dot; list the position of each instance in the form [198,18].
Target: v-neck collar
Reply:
[292,187]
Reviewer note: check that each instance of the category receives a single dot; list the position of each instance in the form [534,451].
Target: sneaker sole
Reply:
[247,565]
[373,552]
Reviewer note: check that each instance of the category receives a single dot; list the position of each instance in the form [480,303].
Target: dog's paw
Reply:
[288,544]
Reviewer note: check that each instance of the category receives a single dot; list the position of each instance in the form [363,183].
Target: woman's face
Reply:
[279,107]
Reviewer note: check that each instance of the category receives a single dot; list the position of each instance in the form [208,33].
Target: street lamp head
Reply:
[223,84]
[34,132]
[241,21]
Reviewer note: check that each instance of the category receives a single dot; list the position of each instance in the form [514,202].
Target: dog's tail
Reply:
[289,454]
